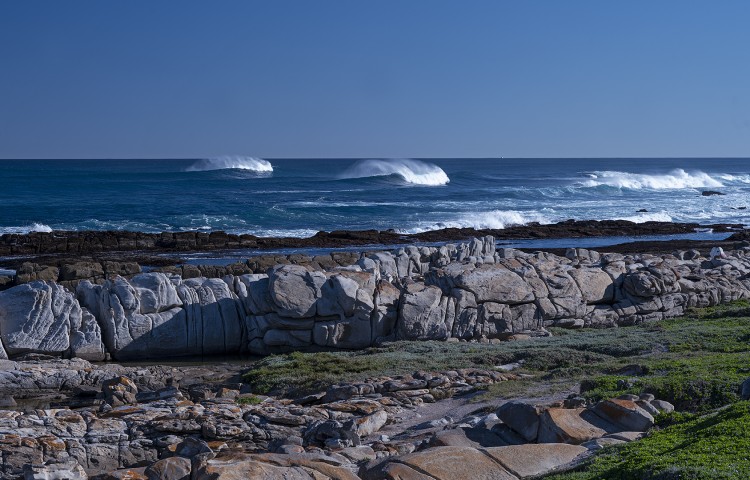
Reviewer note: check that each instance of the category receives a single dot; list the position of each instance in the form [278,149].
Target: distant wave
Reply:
[34,227]
[494,220]
[647,217]
[675,179]
[231,162]
[410,171]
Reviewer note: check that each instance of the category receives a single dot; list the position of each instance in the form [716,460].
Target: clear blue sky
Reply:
[82,79]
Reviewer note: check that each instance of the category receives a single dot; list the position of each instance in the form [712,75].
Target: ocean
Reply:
[298,197]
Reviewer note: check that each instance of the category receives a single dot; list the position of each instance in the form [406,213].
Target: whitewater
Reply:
[299,197]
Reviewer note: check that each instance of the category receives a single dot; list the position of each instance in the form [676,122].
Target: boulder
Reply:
[571,425]
[37,317]
[422,314]
[295,290]
[521,417]
[449,463]
[172,468]
[491,283]
[624,413]
[535,460]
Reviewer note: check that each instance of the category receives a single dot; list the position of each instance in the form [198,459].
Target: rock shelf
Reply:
[464,292]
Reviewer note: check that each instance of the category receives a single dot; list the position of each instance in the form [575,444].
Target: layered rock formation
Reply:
[215,431]
[455,292]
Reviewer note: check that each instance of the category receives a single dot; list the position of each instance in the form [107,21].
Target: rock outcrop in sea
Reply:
[465,292]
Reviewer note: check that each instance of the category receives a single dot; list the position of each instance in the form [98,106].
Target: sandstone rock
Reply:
[450,463]
[534,460]
[172,468]
[467,437]
[571,425]
[119,391]
[238,466]
[624,413]
[370,424]
[69,470]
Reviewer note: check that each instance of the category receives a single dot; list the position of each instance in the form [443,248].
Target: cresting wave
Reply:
[675,179]
[410,171]
[231,162]
[494,220]
[34,227]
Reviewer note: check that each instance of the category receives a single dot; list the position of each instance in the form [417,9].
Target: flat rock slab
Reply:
[572,425]
[467,437]
[452,463]
[532,459]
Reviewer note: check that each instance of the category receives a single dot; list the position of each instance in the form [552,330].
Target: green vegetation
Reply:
[249,400]
[713,446]
[695,362]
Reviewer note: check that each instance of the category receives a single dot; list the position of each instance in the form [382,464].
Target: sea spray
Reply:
[231,162]
[410,171]
[675,179]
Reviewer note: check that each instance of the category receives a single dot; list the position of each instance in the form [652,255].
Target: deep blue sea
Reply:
[298,197]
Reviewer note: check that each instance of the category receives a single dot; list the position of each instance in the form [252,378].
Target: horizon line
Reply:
[383,158]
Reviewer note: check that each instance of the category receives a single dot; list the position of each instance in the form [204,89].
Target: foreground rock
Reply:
[207,431]
[466,292]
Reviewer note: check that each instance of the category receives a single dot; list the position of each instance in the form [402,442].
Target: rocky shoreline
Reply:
[122,245]
[145,423]
[464,292]
[112,421]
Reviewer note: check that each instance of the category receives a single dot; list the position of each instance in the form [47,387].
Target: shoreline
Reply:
[155,249]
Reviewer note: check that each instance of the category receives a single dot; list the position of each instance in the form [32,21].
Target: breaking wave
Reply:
[675,179]
[34,227]
[494,220]
[647,217]
[409,171]
[231,162]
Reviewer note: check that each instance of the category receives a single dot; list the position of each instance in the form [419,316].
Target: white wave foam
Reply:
[227,162]
[647,217]
[675,179]
[34,227]
[411,171]
[494,219]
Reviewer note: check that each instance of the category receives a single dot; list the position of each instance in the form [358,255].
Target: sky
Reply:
[387,78]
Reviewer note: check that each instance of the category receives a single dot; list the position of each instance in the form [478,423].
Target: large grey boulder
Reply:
[37,317]
[156,292]
[422,313]
[254,291]
[295,290]
[521,417]
[86,338]
[595,284]
[490,283]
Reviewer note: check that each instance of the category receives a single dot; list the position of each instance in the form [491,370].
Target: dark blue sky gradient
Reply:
[374,79]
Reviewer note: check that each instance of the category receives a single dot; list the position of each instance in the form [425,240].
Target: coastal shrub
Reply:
[712,446]
[698,382]
[680,355]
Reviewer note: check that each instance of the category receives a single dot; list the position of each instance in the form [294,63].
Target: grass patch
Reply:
[249,400]
[696,362]
[713,446]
